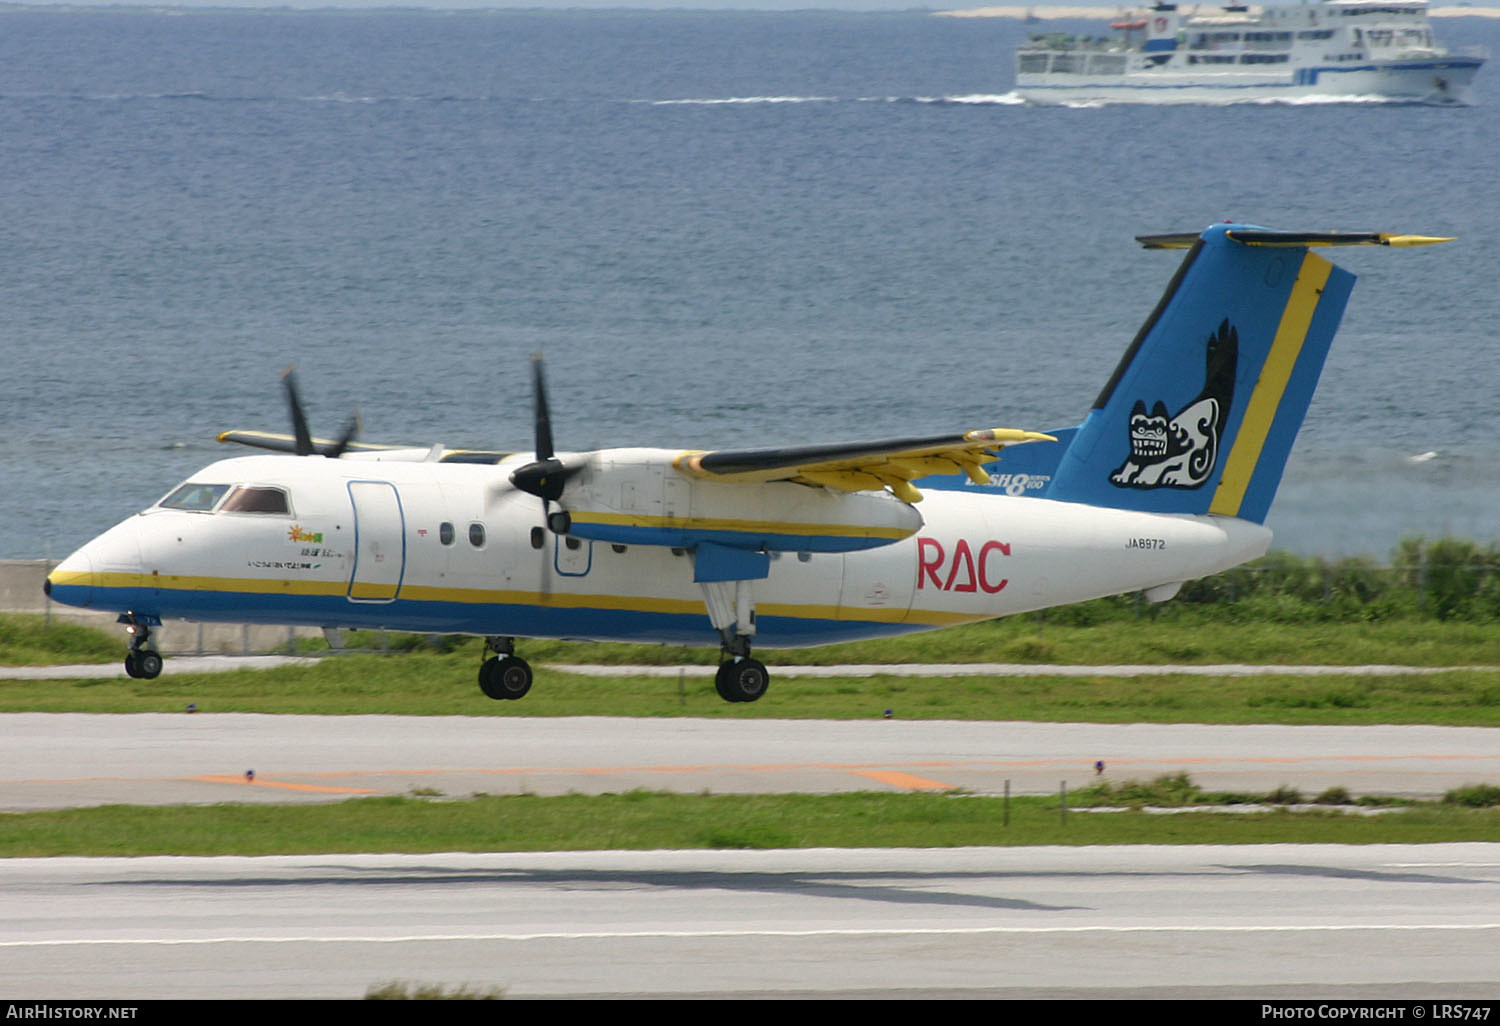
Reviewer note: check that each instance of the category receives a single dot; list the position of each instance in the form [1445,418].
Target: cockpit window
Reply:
[195,496]
[253,499]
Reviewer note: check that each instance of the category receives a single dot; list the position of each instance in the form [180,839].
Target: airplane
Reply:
[1168,478]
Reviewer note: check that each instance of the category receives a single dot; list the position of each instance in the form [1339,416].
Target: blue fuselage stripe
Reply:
[443,617]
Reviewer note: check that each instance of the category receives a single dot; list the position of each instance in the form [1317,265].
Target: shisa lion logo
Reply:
[1180,451]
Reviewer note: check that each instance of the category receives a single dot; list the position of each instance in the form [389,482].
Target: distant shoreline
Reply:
[1017,12]
[1051,12]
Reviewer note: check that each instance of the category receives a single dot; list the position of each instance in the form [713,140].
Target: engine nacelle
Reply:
[636,497]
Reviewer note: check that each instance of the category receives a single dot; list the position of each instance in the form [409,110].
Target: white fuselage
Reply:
[453,548]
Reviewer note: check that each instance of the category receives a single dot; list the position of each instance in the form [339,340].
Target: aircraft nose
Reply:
[104,574]
[71,582]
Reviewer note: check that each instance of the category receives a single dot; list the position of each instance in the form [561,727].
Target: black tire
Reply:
[130,670]
[505,677]
[742,680]
[148,664]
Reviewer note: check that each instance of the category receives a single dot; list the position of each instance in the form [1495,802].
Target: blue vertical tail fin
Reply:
[1201,413]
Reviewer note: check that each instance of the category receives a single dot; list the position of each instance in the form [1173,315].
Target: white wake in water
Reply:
[995,99]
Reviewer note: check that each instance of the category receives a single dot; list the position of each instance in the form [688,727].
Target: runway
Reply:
[76,759]
[1259,921]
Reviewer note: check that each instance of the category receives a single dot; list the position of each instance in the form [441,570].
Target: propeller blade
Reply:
[299,418]
[546,476]
[544,450]
[351,432]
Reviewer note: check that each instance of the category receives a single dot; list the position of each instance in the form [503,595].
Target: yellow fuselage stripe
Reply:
[779,527]
[548,600]
[1265,399]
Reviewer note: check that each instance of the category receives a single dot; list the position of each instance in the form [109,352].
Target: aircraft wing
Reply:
[889,463]
[326,447]
[288,443]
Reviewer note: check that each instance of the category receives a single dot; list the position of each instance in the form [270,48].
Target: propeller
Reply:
[305,446]
[546,476]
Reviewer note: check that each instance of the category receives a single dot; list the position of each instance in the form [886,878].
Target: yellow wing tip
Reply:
[1007,436]
[1414,240]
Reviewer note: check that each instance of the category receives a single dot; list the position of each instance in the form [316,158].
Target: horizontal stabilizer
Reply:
[1266,237]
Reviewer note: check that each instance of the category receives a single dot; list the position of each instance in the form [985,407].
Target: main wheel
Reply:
[741,680]
[505,677]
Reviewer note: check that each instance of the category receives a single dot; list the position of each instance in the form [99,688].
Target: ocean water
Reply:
[721,229]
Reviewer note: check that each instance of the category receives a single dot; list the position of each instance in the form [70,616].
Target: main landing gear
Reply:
[142,662]
[503,675]
[731,608]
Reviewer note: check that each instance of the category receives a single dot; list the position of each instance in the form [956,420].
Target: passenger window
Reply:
[476,535]
[249,499]
[445,533]
[195,496]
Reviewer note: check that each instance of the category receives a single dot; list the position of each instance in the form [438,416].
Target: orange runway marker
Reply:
[282,784]
[905,781]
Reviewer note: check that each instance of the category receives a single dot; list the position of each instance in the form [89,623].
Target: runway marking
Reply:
[905,781]
[867,768]
[699,934]
[284,785]
[845,767]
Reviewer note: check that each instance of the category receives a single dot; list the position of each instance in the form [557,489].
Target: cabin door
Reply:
[379,542]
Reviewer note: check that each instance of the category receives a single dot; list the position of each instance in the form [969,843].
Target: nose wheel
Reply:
[142,662]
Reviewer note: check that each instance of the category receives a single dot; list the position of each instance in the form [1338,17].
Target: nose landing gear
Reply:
[142,662]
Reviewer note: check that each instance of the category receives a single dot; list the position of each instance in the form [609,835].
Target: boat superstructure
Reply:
[1370,49]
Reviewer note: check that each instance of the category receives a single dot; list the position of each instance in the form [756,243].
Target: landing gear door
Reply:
[379,542]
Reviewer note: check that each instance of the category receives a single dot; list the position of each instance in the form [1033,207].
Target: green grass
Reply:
[29,640]
[445,684]
[641,820]
[416,679]
[1161,634]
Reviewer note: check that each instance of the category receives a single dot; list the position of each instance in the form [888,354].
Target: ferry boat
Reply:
[1368,49]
